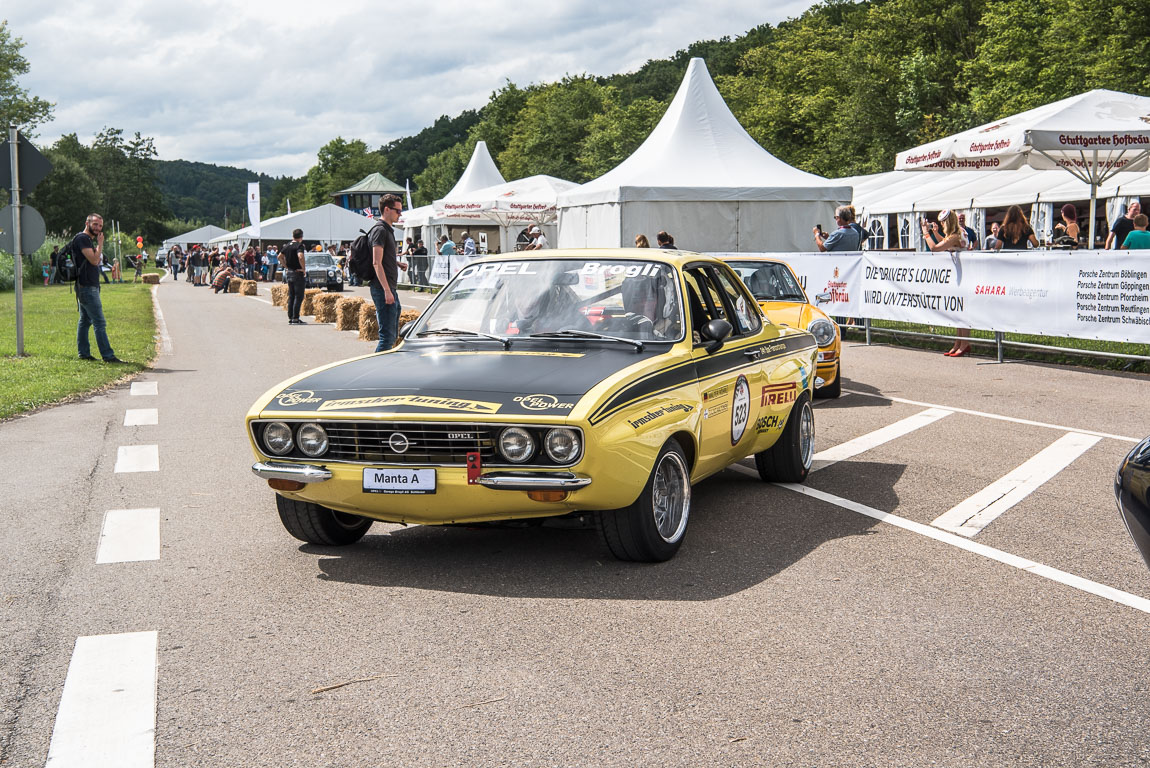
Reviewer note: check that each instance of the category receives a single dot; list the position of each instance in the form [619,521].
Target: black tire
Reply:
[789,460]
[835,388]
[319,525]
[652,529]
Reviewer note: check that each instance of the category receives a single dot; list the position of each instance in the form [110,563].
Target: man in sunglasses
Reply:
[383,285]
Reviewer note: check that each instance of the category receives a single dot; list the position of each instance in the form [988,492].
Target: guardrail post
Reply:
[866,326]
[998,336]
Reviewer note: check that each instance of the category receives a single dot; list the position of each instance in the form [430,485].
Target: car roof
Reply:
[665,256]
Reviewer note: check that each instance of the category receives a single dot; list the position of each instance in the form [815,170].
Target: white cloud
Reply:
[264,85]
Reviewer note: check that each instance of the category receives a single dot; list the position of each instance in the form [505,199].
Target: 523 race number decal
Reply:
[740,409]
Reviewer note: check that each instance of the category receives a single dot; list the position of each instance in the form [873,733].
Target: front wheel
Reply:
[653,527]
[319,525]
[789,459]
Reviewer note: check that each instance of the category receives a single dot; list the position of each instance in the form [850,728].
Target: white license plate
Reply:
[400,481]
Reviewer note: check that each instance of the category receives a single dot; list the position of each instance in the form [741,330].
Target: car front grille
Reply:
[427,443]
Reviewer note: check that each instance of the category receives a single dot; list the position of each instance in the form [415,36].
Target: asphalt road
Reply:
[842,628]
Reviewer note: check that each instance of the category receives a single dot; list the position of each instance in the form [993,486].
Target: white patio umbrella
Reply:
[1092,136]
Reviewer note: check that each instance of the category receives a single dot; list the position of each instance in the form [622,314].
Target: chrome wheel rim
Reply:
[671,497]
[807,434]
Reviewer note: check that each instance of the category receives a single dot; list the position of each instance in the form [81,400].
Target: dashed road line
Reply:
[874,439]
[107,714]
[961,542]
[137,458]
[129,536]
[971,515]
[145,388]
[998,417]
[141,417]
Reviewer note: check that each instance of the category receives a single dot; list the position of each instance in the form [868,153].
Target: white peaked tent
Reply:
[479,173]
[1093,135]
[701,177]
[326,223]
[201,235]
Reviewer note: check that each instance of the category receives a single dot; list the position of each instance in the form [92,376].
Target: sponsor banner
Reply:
[254,209]
[1081,294]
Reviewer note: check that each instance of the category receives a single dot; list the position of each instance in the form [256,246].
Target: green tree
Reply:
[340,163]
[17,107]
[67,195]
[552,125]
[617,132]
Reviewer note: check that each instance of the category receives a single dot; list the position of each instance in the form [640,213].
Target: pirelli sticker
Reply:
[412,401]
[780,394]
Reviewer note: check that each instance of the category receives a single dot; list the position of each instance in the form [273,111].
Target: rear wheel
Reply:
[789,459]
[652,529]
[319,525]
[835,388]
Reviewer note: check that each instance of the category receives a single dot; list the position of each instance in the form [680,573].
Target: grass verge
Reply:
[51,372]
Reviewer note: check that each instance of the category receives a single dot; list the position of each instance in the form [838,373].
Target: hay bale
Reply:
[279,295]
[248,288]
[325,307]
[407,316]
[151,279]
[234,285]
[347,313]
[368,324]
[308,306]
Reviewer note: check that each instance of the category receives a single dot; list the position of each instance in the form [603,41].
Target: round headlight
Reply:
[823,330]
[562,445]
[516,444]
[277,438]
[331,273]
[312,440]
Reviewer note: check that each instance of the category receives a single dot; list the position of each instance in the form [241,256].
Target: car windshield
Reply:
[769,281]
[319,260]
[623,298]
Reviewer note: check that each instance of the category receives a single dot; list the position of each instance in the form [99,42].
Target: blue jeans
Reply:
[387,315]
[92,316]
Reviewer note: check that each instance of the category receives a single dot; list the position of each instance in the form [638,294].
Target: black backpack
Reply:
[361,262]
[66,264]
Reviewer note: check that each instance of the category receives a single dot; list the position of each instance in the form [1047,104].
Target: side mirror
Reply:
[715,333]
[406,329]
[822,298]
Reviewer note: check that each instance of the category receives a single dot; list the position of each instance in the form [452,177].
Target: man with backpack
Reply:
[89,256]
[295,271]
[385,271]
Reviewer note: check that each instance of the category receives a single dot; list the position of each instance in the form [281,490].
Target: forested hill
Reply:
[202,192]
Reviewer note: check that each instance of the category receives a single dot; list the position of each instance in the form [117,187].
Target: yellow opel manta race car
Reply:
[545,385]
[783,300]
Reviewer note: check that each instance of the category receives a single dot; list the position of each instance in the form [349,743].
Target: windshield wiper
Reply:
[506,342]
[575,333]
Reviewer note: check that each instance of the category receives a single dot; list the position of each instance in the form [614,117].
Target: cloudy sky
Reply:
[263,85]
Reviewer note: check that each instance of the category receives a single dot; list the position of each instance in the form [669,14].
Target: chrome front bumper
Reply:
[301,473]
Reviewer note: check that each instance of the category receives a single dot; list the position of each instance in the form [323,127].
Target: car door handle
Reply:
[754,354]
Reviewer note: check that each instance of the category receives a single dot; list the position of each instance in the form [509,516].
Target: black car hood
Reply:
[460,378]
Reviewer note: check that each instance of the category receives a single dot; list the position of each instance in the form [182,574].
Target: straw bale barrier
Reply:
[248,288]
[279,295]
[325,307]
[308,306]
[152,279]
[347,313]
[234,285]
[368,326]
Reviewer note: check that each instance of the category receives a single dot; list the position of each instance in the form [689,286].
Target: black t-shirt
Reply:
[1121,229]
[290,255]
[87,273]
[1015,245]
[420,251]
[384,236]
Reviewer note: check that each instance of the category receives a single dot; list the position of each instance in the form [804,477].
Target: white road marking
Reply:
[874,439]
[145,388]
[165,339]
[1038,569]
[107,715]
[999,417]
[141,417]
[138,458]
[257,298]
[129,536]
[970,516]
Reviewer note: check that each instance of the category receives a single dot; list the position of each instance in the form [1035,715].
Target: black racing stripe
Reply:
[675,376]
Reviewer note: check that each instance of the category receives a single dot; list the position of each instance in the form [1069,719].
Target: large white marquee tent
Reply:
[326,223]
[479,174]
[201,235]
[700,175]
